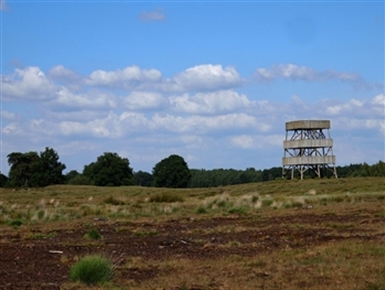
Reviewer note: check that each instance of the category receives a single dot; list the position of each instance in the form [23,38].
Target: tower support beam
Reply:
[308,146]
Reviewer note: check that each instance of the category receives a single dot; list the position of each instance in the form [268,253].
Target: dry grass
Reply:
[355,259]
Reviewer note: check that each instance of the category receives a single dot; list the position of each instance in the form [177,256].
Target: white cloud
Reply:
[29,83]
[93,99]
[303,73]
[257,141]
[209,103]
[8,115]
[128,78]
[206,124]
[143,101]
[206,77]
[155,15]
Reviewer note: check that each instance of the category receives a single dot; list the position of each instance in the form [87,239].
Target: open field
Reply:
[310,234]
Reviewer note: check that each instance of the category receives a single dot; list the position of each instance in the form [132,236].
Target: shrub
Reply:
[93,234]
[92,270]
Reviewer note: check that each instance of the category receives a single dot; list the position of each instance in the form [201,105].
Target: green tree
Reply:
[34,170]
[3,180]
[109,170]
[143,178]
[171,172]
[21,171]
[48,170]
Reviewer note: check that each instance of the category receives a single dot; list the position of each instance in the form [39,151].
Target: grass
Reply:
[92,269]
[346,253]
[93,234]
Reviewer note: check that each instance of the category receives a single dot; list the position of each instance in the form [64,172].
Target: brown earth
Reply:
[26,261]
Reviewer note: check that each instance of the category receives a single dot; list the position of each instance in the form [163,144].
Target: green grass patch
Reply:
[92,270]
[93,234]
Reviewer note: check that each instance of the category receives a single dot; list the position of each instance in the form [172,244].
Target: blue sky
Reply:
[214,82]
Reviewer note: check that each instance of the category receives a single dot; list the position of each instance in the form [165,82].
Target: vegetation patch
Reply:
[92,270]
[93,234]
[166,197]
[113,201]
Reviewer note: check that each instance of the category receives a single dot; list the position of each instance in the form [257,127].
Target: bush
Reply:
[92,270]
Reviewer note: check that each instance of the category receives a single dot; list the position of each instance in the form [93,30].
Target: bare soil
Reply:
[26,261]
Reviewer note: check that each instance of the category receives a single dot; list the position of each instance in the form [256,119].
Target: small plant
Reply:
[255,198]
[201,210]
[92,270]
[237,210]
[93,234]
[15,223]
[267,202]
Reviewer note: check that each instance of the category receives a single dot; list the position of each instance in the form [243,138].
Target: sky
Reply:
[211,81]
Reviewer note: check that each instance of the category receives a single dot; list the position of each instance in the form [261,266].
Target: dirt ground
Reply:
[27,263]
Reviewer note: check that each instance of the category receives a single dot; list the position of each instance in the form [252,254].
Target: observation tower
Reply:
[308,146]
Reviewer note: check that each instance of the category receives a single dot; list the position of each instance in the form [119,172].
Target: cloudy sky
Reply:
[214,82]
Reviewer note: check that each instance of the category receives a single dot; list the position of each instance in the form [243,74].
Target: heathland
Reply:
[283,234]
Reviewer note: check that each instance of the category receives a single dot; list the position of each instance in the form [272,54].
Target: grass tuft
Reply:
[92,270]
[93,234]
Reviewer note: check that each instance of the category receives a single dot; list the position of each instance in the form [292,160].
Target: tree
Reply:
[32,169]
[3,180]
[48,170]
[171,172]
[70,175]
[143,178]
[109,170]
[21,171]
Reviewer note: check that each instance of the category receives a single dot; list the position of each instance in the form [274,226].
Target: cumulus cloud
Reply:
[143,101]
[93,99]
[66,76]
[354,108]
[303,73]
[209,103]
[128,78]
[206,124]
[29,83]
[205,77]
[154,15]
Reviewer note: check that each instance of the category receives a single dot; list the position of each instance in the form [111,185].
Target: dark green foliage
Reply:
[70,175]
[166,197]
[80,179]
[223,177]
[3,180]
[15,223]
[109,170]
[171,172]
[33,170]
[143,178]
[93,234]
[92,270]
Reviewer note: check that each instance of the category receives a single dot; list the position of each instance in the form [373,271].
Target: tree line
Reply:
[32,169]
